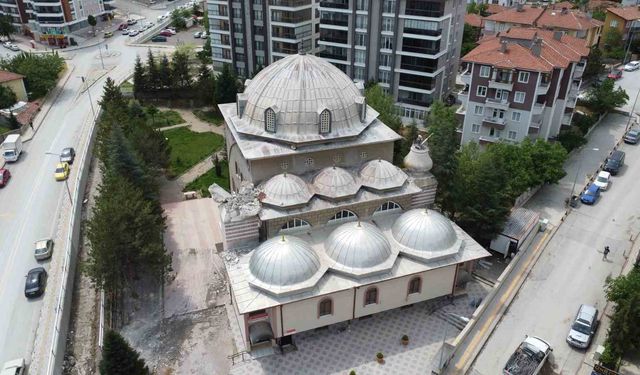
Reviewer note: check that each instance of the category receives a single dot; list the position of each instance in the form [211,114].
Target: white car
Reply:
[43,249]
[603,180]
[126,31]
[134,32]
[161,17]
[11,46]
[631,66]
[197,34]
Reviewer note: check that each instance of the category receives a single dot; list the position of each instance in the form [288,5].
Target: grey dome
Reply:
[426,234]
[284,190]
[359,248]
[334,182]
[381,175]
[298,88]
[282,262]
[418,159]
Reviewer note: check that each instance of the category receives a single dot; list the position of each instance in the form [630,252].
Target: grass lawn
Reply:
[3,129]
[203,182]
[212,117]
[188,148]
[165,118]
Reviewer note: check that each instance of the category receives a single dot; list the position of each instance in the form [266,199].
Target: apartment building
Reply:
[555,17]
[521,83]
[251,34]
[626,20]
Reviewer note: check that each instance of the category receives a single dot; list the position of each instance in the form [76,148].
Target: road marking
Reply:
[474,342]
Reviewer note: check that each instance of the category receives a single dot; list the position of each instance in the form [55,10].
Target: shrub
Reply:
[379,355]
[571,138]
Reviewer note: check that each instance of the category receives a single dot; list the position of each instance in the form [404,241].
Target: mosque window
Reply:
[325,307]
[270,120]
[342,216]
[363,155]
[284,165]
[415,285]
[295,224]
[325,122]
[371,296]
[308,162]
[387,207]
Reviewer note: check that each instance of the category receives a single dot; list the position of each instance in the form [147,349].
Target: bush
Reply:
[571,138]
[41,71]
[584,122]
[609,357]
[379,355]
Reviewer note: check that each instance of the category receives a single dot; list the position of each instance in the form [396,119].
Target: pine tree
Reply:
[153,74]
[180,68]
[119,358]
[226,86]
[165,72]
[206,84]
[140,84]
[112,94]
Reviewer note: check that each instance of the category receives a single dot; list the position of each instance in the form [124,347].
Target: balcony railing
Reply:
[416,84]
[423,103]
[289,3]
[335,5]
[418,68]
[423,12]
[333,39]
[334,56]
[494,122]
[423,50]
[498,103]
[410,30]
[505,84]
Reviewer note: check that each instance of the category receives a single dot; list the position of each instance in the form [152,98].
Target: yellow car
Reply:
[62,171]
[108,34]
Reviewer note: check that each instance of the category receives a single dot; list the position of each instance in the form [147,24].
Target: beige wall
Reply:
[237,164]
[303,315]
[17,86]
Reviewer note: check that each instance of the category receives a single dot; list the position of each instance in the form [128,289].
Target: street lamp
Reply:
[90,100]
[575,180]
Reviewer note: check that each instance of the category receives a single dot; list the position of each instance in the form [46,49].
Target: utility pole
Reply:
[90,100]
[100,51]
[631,112]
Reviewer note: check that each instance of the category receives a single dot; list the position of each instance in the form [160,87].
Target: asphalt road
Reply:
[571,271]
[30,204]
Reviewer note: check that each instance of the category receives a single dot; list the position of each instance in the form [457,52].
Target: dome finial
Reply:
[359,223]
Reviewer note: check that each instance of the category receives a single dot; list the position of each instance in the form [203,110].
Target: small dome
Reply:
[381,175]
[358,245]
[418,159]
[334,182]
[283,262]
[425,233]
[285,190]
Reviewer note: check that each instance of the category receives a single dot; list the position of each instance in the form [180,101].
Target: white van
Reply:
[14,367]
[12,147]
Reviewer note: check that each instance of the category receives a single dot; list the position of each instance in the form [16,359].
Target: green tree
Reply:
[152,110]
[227,86]
[181,75]
[177,20]
[151,146]
[604,97]
[165,72]
[384,105]
[154,81]
[112,96]
[119,358]
[623,335]
[599,14]
[547,159]
[205,55]
[518,166]
[140,82]
[613,46]
[480,9]
[92,21]
[7,97]
[41,71]
[594,66]
[470,38]
[14,124]
[6,26]
[443,142]
[205,85]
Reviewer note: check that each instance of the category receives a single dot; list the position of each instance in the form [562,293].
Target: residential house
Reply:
[15,82]
[625,21]
[521,83]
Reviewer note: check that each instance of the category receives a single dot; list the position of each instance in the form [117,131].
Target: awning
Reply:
[260,332]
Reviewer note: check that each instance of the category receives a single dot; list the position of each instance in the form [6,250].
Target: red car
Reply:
[123,26]
[615,74]
[5,175]
[165,33]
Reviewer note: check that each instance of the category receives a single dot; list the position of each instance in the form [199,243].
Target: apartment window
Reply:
[342,216]
[384,76]
[478,110]
[415,285]
[387,24]
[358,73]
[237,27]
[519,97]
[257,15]
[362,5]
[515,116]
[495,133]
[498,113]
[239,57]
[360,56]
[295,224]
[385,60]
[512,135]
[325,122]
[502,94]
[389,6]
[386,42]
[523,77]
[325,307]
[270,120]
[614,23]
[485,71]
[361,21]
[475,128]
[259,30]
[361,40]
[239,42]
[237,12]
[481,91]
[371,296]
[260,61]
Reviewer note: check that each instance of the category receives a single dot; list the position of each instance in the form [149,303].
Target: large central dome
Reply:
[303,91]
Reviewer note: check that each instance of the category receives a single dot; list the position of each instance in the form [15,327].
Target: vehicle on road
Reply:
[133,33]
[603,180]
[197,34]
[528,358]
[12,147]
[13,367]
[584,327]
[36,282]
[108,34]
[131,22]
[125,31]
[159,38]
[632,136]
[5,175]
[614,162]
[43,249]
[68,155]
[62,171]
[165,33]
[122,26]
[631,66]
[11,46]
[615,74]
[590,195]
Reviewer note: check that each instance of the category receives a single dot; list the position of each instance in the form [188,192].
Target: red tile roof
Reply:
[560,5]
[553,53]
[526,16]
[495,8]
[6,76]
[567,19]
[473,20]
[627,13]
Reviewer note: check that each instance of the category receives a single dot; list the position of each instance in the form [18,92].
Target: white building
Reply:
[334,231]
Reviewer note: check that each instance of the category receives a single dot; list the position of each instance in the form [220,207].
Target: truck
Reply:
[12,147]
[14,367]
[528,358]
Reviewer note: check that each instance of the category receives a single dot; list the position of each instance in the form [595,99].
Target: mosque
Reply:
[326,228]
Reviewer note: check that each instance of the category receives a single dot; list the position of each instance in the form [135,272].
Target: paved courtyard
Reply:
[331,351]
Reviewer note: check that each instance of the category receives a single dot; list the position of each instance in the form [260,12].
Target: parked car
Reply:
[134,32]
[632,136]
[161,17]
[62,171]
[125,31]
[590,195]
[108,34]
[584,327]
[165,33]
[44,249]
[12,46]
[632,65]
[197,34]
[122,26]
[36,283]
[615,74]
[14,367]
[67,155]
[602,180]
[159,38]
[131,22]
[614,162]
[5,175]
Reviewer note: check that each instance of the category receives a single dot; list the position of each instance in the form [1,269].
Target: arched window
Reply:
[325,122]
[371,296]
[415,285]
[387,207]
[325,307]
[270,120]
[295,224]
[342,216]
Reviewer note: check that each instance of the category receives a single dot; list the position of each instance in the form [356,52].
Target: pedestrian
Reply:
[31,125]
[606,252]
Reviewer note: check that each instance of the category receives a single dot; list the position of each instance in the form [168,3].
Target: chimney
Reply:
[503,46]
[557,35]
[519,7]
[565,10]
[536,47]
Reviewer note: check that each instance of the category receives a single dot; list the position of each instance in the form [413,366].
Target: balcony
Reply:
[501,84]
[290,3]
[418,68]
[566,119]
[416,31]
[423,12]
[542,88]
[579,70]
[335,22]
[465,77]
[494,122]
[335,5]
[463,97]
[330,55]
[420,50]
[498,103]
[538,109]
